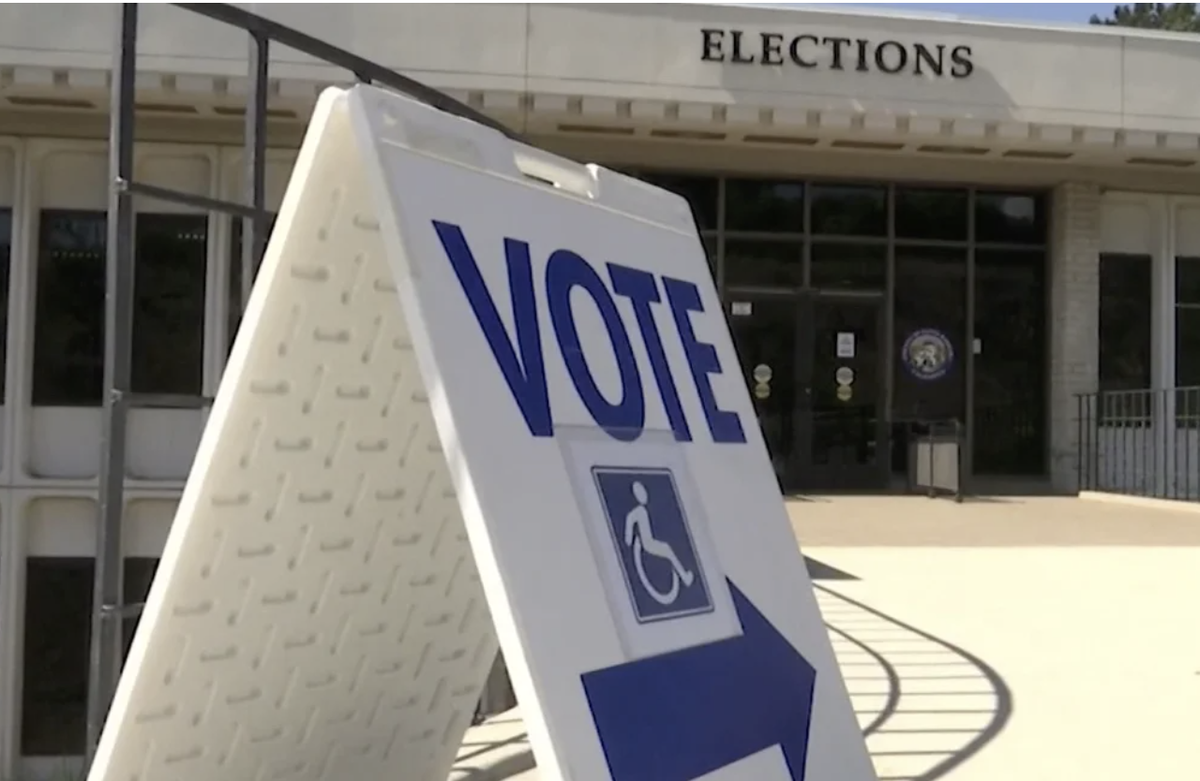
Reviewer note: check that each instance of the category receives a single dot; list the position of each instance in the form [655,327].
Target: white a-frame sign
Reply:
[473,375]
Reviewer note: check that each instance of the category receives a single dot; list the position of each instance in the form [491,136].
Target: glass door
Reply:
[765,334]
[842,440]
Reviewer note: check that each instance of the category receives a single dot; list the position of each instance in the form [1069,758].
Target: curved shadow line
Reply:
[1004,697]
[893,680]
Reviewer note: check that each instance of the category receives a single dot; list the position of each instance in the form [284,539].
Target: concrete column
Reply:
[1074,320]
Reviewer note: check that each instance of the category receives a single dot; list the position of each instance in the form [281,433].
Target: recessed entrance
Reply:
[929,302]
[842,437]
[815,369]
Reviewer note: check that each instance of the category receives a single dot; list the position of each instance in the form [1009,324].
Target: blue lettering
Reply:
[626,419]
[684,298]
[526,376]
[641,288]
[522,364]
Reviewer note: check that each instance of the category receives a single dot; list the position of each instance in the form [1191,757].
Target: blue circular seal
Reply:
[927,353]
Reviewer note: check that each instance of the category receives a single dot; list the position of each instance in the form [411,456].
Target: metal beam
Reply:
[202,202]
[106,649]
[106,652]
[166,401]
[255,227]
[363,69]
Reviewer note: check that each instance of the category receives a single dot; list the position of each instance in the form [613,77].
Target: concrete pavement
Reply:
[1036,639]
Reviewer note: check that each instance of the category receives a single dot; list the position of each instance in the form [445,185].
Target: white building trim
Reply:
[768,123]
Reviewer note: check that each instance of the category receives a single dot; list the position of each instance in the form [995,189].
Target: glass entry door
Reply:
[765,332]
[842,433]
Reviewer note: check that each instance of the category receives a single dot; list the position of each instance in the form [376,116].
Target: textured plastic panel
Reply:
[317,613]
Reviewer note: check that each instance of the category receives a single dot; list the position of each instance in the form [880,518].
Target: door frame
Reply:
[793,297]
[803,473]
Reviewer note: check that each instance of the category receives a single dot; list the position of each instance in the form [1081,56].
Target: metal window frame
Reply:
[108,604]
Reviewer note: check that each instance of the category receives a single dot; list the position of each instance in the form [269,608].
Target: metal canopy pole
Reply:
[254,227]
[118,331]
[106,653]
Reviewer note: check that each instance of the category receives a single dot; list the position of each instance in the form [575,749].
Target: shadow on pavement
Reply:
[493,760]
[926,705]
[819,570]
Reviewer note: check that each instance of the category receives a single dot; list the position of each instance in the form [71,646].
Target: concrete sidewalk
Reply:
[1049,639]
[496,749]
[990,522]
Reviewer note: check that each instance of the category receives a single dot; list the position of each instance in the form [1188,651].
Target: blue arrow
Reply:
[680,715]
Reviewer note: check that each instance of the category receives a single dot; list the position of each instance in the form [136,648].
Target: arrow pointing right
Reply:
[681,715]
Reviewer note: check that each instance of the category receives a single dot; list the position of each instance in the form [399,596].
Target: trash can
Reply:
[935,459]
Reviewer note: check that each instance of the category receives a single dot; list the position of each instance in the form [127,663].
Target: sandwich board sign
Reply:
[480,394]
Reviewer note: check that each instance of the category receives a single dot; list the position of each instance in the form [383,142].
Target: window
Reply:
[1187,341]
[763,263]
[138,575]
[1125,337]
[1187,346]
[931,214]
[168,319]
[764,206]
[1010,366]
[848,210]
[1125,322]
[710,253]
[58,608]
[700,192]
[931,298]
[58,615]
[1010,218]
[5,255]
[233,317]
[68,342]
[844,266]
[1187,322]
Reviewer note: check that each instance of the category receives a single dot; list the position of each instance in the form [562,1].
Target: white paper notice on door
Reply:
[845,344]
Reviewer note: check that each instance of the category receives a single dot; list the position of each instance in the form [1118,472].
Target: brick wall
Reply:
[1074,319]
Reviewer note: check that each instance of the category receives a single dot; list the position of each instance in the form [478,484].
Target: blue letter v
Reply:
[526,376]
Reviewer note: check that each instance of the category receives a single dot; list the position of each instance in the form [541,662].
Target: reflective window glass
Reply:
[764,205]
[931,213]
[709,240]
[930,333]
[1187,280]
[168,319]
[848,210]
[849,266]
[1010,366]
[68,344]
[1125,321]
[58,615]
[1187,347]
[1187,332]
[700,191]
[233,317]
[763,263]
[5,254]
[1010,218]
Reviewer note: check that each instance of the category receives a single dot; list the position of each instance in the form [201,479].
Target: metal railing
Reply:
[1140,442]
[110,609]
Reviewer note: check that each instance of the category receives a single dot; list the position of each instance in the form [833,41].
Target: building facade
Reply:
[910,219]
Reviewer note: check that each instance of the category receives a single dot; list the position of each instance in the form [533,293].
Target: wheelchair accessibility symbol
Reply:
[653,542]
